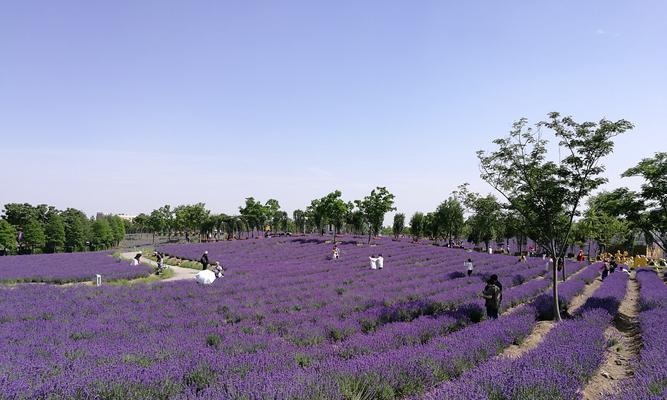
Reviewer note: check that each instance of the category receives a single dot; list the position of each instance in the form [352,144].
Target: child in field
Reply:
[219,270]
[335,253]
[469,266]
[380,261]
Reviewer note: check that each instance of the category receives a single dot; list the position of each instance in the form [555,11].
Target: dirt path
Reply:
[624,339]
[543,327]
[180,273]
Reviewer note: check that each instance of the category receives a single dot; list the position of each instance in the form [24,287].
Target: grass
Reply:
[167,273]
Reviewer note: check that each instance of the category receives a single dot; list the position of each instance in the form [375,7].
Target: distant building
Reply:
[124,217]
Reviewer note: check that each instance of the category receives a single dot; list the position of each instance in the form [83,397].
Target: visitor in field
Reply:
[136,259]
[219,270]
[380,261]
[613,265]
[374,260]
[580,256]
[493,295]
[159,260]
[335,252]
[204,260]
[469,266]
[605,269]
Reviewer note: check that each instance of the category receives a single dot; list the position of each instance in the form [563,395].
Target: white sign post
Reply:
[98,279]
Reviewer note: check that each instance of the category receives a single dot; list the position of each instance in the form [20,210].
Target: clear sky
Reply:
[123,106]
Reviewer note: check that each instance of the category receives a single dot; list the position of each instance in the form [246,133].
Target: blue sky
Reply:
[127,105]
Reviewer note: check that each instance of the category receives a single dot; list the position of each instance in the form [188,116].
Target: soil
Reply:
[625,342]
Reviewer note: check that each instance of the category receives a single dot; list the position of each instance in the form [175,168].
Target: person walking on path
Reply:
[469,266]
[380,261]
[204,260]
[493,295]
[160,265]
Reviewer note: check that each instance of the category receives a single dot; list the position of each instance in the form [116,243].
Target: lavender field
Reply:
[67,267]
[287,322]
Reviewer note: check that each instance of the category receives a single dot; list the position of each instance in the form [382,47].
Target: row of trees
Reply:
[26,229]
[358,216]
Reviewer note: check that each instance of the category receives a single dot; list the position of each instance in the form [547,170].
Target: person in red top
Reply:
[580,256]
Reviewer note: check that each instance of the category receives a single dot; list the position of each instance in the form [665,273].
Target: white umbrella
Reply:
[205,277]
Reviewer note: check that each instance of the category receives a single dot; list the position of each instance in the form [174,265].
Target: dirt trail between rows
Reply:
[180,273]
[543,327]
[625,340]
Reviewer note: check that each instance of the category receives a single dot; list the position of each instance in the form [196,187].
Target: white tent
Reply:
[205,277]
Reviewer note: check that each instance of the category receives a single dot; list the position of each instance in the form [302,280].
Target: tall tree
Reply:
[484,223]
[315,213]
[399,224]
[652,199]
[299,217]
[102,235]
[545,193]
[54,232]
[19,214]
[254,214]
[76,229]
[374,207]
[7,237]
[335,210]
[449,219]
[33,235]
[417,226]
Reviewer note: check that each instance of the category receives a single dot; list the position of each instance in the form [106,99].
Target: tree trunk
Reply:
[555,287]
[334,240]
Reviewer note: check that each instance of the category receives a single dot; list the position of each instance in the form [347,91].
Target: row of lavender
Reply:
[558,367]
[650,378]
[67,267]
[230,339]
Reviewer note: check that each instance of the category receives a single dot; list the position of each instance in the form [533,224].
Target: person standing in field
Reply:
[605,269]
[374,260]
[380,261]
[493,295]
[469,266]
[204,260]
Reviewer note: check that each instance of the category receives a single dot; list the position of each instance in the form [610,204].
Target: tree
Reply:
[7,237]
[335,210]
[76,229]
[548,194]
[315,213]
[272,213]
[399,224]
[156,222]
[484,223]
[374,207]
[254,214]
[299,217]
[117,228]
[102,235]
[356,222]
[18,215]
[449,219]
[417,226]
[54,232]
[651,200]
[33,235]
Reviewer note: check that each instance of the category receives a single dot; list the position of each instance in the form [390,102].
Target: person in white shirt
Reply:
[373,261]
[335,253]
[380,261]
[469,266]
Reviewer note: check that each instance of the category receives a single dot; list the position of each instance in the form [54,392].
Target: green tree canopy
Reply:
[417,226]
[398,225]
[7,237]
[374,207]
[54,232]
[548,194]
